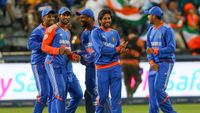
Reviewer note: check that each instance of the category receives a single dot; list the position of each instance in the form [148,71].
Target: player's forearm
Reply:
[49,49]
[167,50]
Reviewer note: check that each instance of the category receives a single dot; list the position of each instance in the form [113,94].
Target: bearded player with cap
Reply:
[88,57]
[161,56]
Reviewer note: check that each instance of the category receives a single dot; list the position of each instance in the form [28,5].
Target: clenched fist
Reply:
[154,67]
[149,51]
[77,58]
[74,57]
[152,50]
[122,47]
[64,51]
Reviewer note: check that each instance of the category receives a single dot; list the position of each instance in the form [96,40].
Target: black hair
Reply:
[159,17]
[103,12]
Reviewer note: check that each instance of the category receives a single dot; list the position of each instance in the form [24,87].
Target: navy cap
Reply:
[63,10]
[47,11]
[154,11]
[87,12]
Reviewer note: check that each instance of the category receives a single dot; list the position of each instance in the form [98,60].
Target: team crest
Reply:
[113,39]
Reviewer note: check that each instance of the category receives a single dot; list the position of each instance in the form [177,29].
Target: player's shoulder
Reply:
[95,30]
[113,30]
[37,29]
[94,27]
[166,27]
[52,28]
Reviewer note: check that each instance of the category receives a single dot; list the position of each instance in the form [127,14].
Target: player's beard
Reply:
[107,25]
[51,22]
[65,21]
[84,24]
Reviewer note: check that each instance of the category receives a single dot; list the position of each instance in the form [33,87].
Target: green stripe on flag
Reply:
[121,2]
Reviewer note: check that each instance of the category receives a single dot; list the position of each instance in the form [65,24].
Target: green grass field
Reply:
[180,108]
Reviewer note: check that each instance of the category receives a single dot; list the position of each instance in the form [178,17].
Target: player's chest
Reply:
[156,36]
[63,37]
[108,37]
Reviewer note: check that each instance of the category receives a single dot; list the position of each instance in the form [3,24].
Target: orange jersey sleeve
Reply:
[47,41]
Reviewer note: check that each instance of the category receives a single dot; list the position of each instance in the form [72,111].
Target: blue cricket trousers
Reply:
[90,92]
[59,81]
[158,81]
[109,78]
[75,91]
[44,88]
[90,81]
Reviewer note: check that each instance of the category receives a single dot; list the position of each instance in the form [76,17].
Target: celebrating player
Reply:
[56,43]
[106,43]
[88,57]
[37,60]
[161,57]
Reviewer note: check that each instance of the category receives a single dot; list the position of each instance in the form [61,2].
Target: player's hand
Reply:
[124,44]
[149,51]
[125,51]
[154,67]
[122,47]
[75,57]
[64,51]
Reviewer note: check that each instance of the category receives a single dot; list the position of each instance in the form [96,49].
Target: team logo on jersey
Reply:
[113,39]
[108,44]
[156,44]
[64,42]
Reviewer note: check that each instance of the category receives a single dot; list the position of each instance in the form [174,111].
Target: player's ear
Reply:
[99,21]
[43,18]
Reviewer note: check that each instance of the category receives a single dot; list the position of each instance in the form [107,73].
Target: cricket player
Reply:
[160,49]
[87,58]
[56,43]
[37,61]
[106,44]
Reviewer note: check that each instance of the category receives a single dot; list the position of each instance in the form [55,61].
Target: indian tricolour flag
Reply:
[126,11]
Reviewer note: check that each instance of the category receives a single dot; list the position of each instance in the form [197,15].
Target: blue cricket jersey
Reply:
[163,39]
[35,43]
[87,52]
[55,37]
[104,44]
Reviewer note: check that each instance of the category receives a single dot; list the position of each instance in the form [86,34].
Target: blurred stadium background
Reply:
[19,17]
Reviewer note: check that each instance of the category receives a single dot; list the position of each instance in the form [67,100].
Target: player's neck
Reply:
[44,25]
[158,24]
[89,27]
[104,29]
[63,26]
